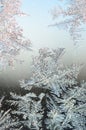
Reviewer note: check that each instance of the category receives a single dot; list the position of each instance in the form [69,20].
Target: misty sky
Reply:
[36,28]
[36,25]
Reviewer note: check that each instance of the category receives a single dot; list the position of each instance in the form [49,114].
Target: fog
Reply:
[36,28]
[9,77]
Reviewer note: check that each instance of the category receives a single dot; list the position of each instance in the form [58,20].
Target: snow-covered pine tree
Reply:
[29,111]
[64,96]
[6,121]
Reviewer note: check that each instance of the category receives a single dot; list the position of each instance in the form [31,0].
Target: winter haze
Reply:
[36,27]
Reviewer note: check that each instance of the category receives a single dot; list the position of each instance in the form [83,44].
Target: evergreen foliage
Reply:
[54,100]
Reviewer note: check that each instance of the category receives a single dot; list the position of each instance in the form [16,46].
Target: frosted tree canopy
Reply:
[74,16]
[11,34]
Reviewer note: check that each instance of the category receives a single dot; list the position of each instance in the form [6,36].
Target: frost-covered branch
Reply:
[73,14]
[30,108]
[12,39]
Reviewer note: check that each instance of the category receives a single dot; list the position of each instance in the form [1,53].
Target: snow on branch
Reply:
[73,14]
[12,39]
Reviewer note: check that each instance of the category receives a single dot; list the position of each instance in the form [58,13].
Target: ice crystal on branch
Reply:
[65,103]
[6,122]
[30,109]
[11,35]
[48,71]
[68,112]
[74,14]
[54,98]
